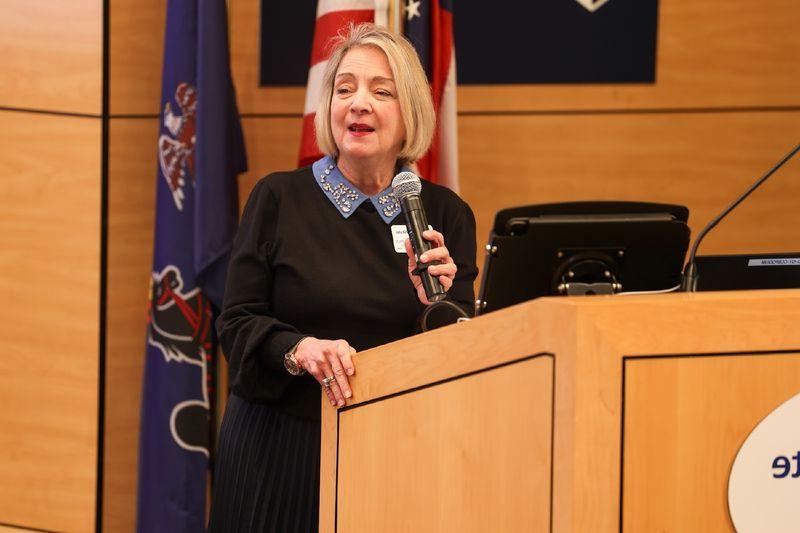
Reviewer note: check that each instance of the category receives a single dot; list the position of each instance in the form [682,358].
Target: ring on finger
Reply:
[327,382]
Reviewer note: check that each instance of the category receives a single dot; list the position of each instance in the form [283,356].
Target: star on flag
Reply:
[412,9]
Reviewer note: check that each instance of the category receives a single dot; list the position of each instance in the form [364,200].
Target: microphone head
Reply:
[406,184]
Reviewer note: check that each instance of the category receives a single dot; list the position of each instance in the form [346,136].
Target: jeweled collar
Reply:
[345,197]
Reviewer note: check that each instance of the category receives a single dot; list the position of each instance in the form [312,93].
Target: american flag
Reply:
[428,24]
[332,16]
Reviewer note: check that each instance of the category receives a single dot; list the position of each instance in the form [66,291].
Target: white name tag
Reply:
[399,236]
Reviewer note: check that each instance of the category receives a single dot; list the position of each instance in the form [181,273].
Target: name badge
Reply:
[399,236]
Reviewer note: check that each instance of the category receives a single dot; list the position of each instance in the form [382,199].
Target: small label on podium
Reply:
[774,261]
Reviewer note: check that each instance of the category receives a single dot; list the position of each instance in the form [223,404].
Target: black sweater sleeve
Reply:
[253,341]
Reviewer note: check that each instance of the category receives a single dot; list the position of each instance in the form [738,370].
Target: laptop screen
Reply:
[748,271]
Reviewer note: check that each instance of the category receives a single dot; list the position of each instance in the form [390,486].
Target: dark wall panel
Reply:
[509,41]
[556,41]
[287,31]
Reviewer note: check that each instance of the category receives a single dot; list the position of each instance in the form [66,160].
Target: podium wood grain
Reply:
[441,459]
[685,420]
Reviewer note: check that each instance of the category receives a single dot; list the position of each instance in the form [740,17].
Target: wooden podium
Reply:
[562,414]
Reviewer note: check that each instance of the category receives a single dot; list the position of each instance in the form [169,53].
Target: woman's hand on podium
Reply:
[330,362]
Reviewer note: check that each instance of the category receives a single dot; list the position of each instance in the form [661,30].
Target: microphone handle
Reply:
[416,223]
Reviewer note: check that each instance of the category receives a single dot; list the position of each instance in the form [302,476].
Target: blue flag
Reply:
[200,152]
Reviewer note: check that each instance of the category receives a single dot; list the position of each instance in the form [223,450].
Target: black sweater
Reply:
[300,268]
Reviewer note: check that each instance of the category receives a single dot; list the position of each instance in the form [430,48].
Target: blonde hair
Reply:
[413,92]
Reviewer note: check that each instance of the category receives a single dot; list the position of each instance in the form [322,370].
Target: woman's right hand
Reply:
[328,359]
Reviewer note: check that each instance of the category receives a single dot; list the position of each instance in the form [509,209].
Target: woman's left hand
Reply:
[446,271]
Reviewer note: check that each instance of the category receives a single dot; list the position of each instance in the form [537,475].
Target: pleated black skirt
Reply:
[266,477]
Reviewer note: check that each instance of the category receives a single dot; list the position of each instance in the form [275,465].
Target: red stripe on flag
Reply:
[329,25]
[442,45]
[309,151]
[441,53]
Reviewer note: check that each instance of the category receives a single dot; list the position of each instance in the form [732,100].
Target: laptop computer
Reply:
[748,271]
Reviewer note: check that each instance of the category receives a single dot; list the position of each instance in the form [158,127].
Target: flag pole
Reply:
[392,10]
[397,11]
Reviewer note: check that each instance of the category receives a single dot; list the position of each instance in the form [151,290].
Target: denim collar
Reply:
[346,198]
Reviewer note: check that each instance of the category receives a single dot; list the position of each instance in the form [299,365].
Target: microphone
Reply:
[406,186]
[689,279]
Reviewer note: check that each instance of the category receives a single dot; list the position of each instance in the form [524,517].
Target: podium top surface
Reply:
[628,325]
[673,298]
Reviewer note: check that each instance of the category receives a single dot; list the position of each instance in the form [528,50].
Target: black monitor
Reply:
[582,248]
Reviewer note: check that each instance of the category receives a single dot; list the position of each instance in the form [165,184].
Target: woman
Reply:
[317,273]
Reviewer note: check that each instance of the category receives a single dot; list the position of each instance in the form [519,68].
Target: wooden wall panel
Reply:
[51,55]
[136,48]
[49,286]
[702,160]
[272,145]
[673,480]
[131,218]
